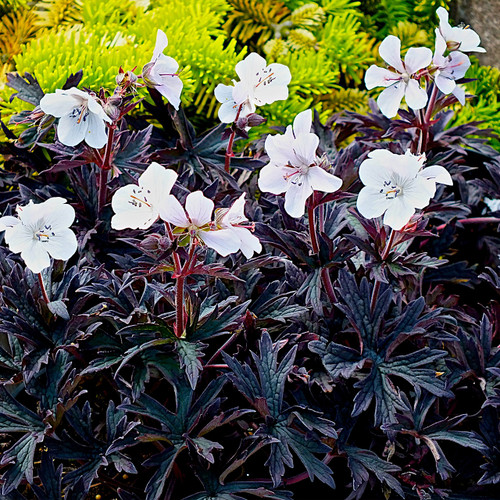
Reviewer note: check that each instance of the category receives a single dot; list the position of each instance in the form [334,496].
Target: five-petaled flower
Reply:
[396,185]
[448,69]
[197,220]
[234,219]
[400,80]
[162,72]
[259,84]
[457,38]
[138,206]
[81,117]
[294,167]
[41,230]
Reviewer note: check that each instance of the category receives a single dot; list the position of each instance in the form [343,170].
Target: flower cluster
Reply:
[140,206]
[403,78]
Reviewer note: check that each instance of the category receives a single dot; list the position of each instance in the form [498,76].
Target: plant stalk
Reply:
[103,174]
[42,287]
[179,291]
[229,152]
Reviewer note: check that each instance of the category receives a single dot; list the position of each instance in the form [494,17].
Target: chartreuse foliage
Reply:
[328,45]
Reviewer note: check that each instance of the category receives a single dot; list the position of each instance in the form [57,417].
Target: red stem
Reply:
[474,220]
[42,286]
[229,152]
[426,121]
[106,165]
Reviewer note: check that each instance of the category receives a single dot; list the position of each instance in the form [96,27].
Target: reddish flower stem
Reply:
[42,286]
[229,152]
[325,275]
[425,121]
[474,220]
[106,165]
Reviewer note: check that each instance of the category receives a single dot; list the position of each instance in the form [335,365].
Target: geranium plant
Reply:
[316,317]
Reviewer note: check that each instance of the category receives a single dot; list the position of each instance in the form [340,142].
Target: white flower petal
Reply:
[415,95]
[398,214]
[376,169]
[63,245]
[96,108]
[249,243]
[158,182]
[459,93]
[227,112]
[95,136]
[417,58]
[249,67]
[18,237]
[58,104]
[303,122]
[171,88]
[273,85]
[380,77]
[279,148]
[171,211]
[323,181]
[8,222]
[371,203]
[236,213]
[469,40]
[417,193]
[35,256]
[304,149]
[444,84]
[457,65]
[272,179]
[160,45]
[223,241]
[389,100]
[199,208]
[224,93]
[57,215]
[296,196]
[439,45]
[71,130]
[437,173]
[390,52]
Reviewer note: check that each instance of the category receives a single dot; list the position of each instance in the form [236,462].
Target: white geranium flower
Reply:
[294,167]
[138,206]
[449,68]
[260,84]
[41,230]
[196,219]
[395,185]
[400,80]
[457,38]
[234,219]
[162,72]
[81,117]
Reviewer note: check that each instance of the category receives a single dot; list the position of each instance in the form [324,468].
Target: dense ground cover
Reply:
[330,331]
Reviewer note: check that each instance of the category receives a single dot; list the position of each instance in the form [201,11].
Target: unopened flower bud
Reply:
[156,243]
[112,108]
[126,79]
[254,120]
[147,75]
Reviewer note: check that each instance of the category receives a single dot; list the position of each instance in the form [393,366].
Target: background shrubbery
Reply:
[274,384]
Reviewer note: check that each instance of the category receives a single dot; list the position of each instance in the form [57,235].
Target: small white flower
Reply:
[400,79]
[395,185]
[138,206]
[196,219]
[294,166]
[260,84]
[234,219]
[457,38]
[41,230]
[449,68]
[81,117]
[493,204]
[162,72]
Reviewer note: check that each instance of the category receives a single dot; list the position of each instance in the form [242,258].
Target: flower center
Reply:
[139,198]
[391,190]
[266,78]
[406,77]
[44,233]
[80,113]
